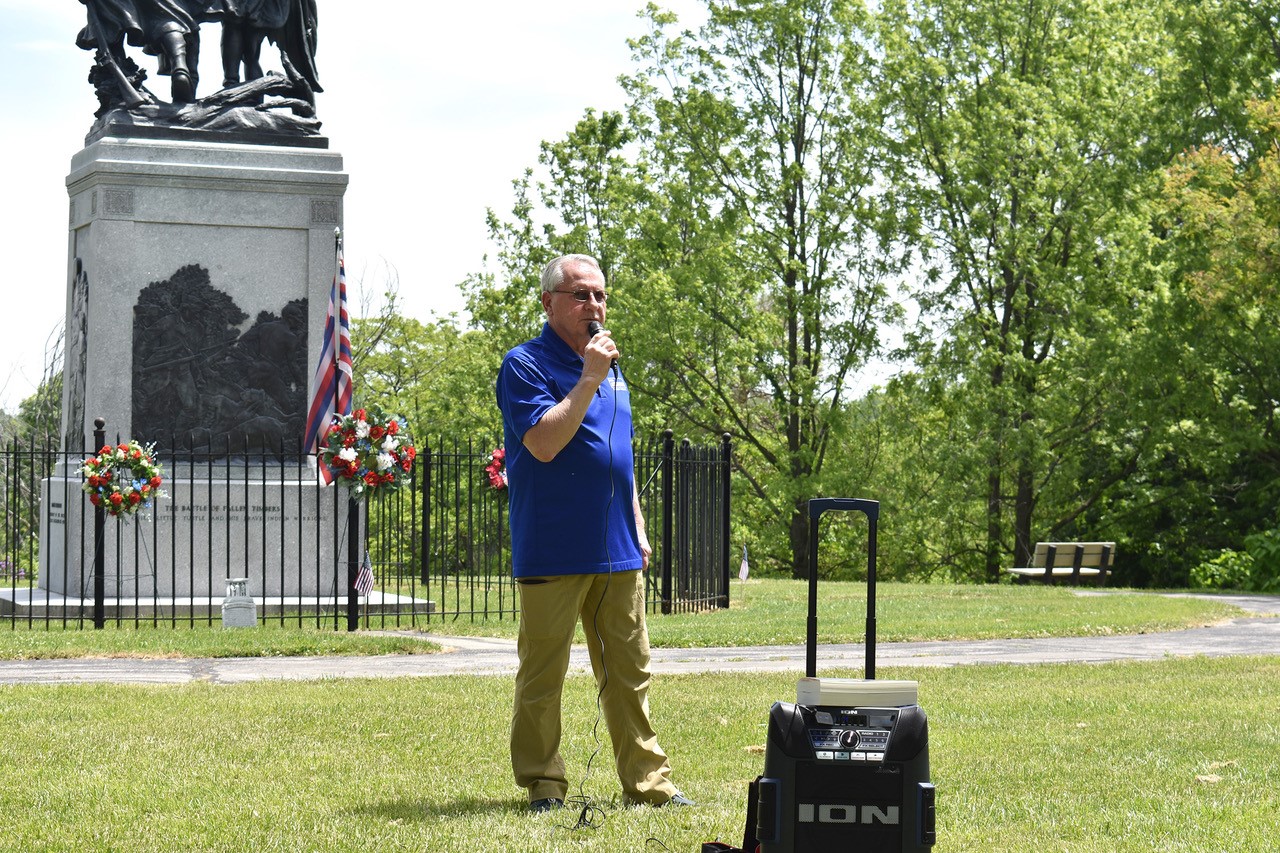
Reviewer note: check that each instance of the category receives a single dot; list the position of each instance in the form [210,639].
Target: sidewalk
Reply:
[1257,634]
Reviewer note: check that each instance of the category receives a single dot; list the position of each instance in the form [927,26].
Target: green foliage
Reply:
[1256,569]
[1078,198]
[734,207]
[1264,548]
[1228,570]
[1014,144]
[27,444]
[440,378]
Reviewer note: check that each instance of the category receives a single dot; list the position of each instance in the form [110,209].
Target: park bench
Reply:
[1069,561]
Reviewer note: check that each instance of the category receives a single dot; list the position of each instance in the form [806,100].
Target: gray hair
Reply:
[553,273]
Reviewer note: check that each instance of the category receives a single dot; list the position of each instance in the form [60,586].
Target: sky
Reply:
[435,108]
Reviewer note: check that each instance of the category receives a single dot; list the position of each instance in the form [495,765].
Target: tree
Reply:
[765,121]
[30,445]
[438,377]
[1014,125]
[1224,245]
[735,212]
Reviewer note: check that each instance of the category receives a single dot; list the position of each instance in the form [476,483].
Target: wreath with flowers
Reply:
[123,479]
[369,451]
[496,470]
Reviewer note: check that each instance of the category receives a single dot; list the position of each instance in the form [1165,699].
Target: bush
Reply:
[1264,548]
[1228,570]
[1256,569]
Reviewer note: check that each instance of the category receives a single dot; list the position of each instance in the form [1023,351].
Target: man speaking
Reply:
[578,543]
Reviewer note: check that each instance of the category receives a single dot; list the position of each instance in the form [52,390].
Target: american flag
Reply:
[332,383]
[364,578]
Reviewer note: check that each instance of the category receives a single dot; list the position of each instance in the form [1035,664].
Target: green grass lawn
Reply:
[22,642]
[772,612]
[762,612]
[1173,755]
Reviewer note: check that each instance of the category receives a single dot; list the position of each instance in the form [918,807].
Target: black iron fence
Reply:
[438,549]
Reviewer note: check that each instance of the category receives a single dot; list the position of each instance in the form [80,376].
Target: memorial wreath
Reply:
[123,479]
[496,470]
[368,451]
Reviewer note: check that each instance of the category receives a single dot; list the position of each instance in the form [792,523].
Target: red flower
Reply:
[361,415]
[371,478]
[156,481]
[135,498]
[94,480]
[376,433]
[95,499]
[116,498]
[393,427]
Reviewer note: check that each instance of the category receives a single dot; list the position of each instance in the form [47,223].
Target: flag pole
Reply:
[353,506]
[337,282]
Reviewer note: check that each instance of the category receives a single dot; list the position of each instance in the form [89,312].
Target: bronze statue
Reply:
[170,31]
[290,24]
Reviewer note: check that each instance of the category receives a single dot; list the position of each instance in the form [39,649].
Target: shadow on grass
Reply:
[419,808]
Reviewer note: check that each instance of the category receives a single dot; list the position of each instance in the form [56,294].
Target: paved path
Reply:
[1256,634]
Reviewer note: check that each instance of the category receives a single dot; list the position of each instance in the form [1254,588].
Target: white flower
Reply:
[385,461]
[347,454]
[390,443]
[362,429]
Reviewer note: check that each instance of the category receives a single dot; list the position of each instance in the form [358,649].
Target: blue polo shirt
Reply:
[572,515]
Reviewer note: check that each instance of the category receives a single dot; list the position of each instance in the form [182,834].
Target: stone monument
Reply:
[200,257]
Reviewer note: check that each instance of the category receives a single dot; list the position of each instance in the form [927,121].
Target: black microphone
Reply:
[594,328]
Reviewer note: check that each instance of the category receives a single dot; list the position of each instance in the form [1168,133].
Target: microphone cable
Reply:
[589,814]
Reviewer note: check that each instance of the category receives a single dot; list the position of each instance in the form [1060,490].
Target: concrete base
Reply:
[277,533]
[39,605]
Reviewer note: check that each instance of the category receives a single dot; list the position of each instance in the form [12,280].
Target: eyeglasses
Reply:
[585,295]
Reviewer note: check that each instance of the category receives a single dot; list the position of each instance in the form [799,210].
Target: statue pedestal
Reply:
[199,275]
[199,278]
[279,534]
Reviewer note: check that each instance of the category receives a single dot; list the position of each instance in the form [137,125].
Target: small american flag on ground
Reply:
[364,578]
[744,569]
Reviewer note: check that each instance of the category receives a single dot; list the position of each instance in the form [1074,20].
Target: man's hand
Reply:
[558,425]
[601,346]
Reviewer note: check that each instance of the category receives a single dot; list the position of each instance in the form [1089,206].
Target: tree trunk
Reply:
[799,530]
[993,521]
[1023,512]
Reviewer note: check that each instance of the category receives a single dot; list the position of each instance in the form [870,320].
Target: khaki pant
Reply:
[549,610]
